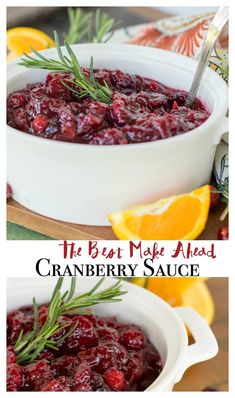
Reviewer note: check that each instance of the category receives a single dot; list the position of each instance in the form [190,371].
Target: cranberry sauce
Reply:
[102,354]
[141,110]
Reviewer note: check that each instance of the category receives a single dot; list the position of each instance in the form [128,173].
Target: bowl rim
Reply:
[163,380]
[154,52]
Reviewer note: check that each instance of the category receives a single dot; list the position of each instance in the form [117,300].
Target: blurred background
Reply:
[50,18]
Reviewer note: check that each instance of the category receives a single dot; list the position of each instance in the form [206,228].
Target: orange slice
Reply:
[172,289]
[199,298]
[176,217]
[187,292]
[20,40]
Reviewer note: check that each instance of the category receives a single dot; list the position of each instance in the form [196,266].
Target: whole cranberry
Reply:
[8,191]
[223,233]
[40,124]
[133,338]
[21,120]
[82,377]
[64,365]
[122,80]
[209,389]
[214,197]
[119,114]
[16,100]
[57,89]
[115,379]
[135,370]
[35,373]
[17,321]
[14,374]
[107,334]
[83,336]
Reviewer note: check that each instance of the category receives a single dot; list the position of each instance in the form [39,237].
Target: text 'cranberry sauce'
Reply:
[102,354]
[141,110]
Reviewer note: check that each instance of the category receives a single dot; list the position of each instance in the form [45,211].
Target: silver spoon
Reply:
[216,26]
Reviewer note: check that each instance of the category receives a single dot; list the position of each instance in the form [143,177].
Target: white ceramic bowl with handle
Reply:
[164,326]
[82,183]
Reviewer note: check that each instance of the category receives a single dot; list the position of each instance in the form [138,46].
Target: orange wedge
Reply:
[187,292]
[172,289]
[20,40]
[176,217]
[199,298]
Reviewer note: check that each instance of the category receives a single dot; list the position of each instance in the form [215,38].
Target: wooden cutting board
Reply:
[20,215]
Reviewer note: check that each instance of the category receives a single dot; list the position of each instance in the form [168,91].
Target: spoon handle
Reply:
[216,26]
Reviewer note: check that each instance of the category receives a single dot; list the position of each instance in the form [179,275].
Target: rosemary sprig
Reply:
[86,26]
[87,85]
[79,25]
[29,345]
[104,27]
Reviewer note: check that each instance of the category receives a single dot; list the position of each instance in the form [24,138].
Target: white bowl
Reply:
[164,326]
[83,183]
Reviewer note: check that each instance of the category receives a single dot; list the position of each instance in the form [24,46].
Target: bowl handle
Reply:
[221,130]
[205,346]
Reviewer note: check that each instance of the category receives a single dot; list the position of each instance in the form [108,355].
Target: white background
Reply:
[18,258]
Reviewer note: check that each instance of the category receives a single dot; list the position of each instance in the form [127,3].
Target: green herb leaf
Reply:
[86,86]
[86,26]
[29,345]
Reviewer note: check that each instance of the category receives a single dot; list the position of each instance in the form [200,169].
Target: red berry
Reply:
[133,338]
[56,89]
[83,336]
[16,100]
[223,233]
[35,374]
[175,106]
[209,389]
[14,374]
[135,370]
[102,354]
[8,191]
[214,197]
[119,113]
[114,378]
[40,124]
[108,334]
[82,377]
[63,365]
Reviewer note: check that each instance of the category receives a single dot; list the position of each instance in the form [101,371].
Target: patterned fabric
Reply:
[185,35]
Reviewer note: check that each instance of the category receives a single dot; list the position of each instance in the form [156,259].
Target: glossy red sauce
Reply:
[102,354]
[141,110]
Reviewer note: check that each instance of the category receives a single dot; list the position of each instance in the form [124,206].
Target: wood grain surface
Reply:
[18,214]
[214,372]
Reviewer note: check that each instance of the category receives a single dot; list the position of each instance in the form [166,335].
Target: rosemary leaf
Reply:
[29,345]
[87,86]
[79,25]
[86,26]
